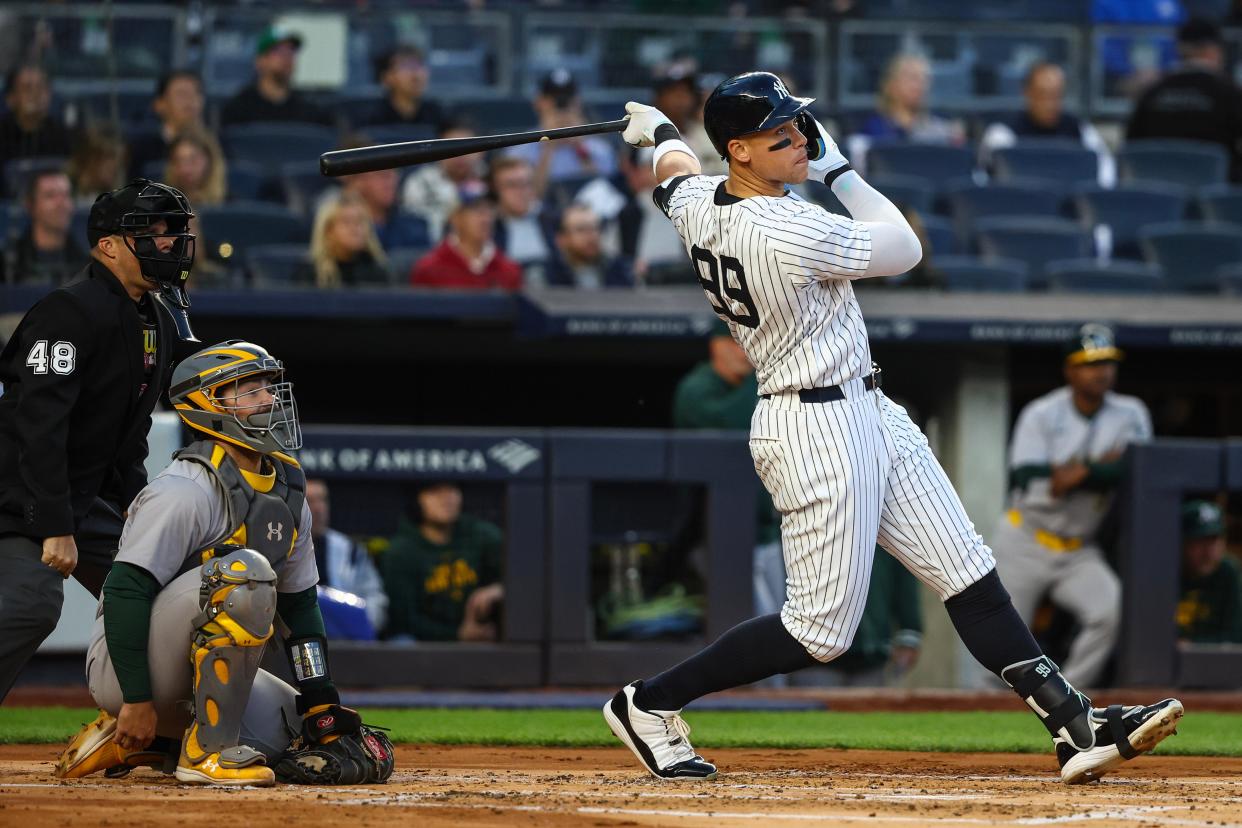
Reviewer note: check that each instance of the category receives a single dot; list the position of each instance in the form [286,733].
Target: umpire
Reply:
[81,375]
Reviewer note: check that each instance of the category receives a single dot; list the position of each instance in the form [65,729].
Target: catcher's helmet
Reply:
[201,395]
[1094,342]
[131,212]
[751,102]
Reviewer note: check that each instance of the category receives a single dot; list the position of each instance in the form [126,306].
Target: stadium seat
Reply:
[940,235]
[1191,253]
[1058,163]
[1222,203]
[274,265]
[1127,208]
[398,133]
[249,181]
[910,192]
[1096,276]
[494,116]
[1035,241]
[970,273]
[969,202]
[303,184]
[1230,278]
[271,144]
[932,162]
[356,110]
[401,261]
[231,230]
[17,169]
[1188,163]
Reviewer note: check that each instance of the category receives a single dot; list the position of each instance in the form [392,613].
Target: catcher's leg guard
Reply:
[93,749]
[1064,711]
[239,603]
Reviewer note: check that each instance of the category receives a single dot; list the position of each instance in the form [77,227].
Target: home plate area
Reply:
[471,785]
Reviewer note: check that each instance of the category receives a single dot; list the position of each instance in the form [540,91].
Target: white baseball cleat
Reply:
[1121,733]
[659,738]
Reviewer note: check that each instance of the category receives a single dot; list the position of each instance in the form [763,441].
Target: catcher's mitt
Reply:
[336,748]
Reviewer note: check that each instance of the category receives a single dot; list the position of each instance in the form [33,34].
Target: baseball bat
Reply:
[389,156]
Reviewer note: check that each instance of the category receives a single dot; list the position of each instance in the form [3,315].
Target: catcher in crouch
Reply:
[213,548]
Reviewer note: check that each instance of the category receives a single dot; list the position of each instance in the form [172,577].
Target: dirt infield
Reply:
[466,786]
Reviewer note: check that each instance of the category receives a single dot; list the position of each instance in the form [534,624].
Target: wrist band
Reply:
[674,145]
[665,132]
[837,173]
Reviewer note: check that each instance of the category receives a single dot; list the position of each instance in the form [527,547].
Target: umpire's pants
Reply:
[32,593]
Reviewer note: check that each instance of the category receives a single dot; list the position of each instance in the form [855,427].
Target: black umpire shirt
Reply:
[81,375]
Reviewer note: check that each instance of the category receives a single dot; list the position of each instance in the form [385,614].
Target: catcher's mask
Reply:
[205,393]
[132,212]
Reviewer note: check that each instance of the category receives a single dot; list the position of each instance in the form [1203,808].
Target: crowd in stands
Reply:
[1036,187]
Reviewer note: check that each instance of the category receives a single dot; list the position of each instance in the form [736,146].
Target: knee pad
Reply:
[238,600]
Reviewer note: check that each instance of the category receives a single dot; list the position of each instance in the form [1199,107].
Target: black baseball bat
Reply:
[389,156]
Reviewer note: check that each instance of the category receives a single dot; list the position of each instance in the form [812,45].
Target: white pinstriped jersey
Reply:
[778,271]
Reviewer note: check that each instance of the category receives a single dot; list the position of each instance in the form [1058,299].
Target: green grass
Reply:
[1201,734]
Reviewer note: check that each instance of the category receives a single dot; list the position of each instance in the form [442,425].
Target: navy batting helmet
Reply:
[751,102]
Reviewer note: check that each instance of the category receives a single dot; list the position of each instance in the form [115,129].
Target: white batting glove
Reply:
[829,155]
[643,122]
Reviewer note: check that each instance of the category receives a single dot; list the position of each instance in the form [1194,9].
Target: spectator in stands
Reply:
[178,104]
[344,250]
[196,167]
[558,105]
[677,95]
[344,564]
[1197,100]
[45,253]
[271,96]
[98,164]
[902,113]
[378,190]
[433,190]
[1209,609]
[645,236]
[1045,117]
[1064,464]
[581,261]
[403,73]
[28,129]
[520,231]
[442,571]
[468,257]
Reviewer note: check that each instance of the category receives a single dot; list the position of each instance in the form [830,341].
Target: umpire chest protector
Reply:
[263,520]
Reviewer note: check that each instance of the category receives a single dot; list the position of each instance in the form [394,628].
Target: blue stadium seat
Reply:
[77,226]
[1096,276]
[401,261]
[941,237]
[1127,208]
[1188,163]
[910,192]
[969,202]
[231,230]
[17,169]
[499,115]
[1058,163]
[303,184]
[970,273]
[357,109]
[398,133]
[273,144]
[274,265]
[1191,253]
[1230,278]
[1222,203]
[249,181]
[1035,241]
[932,162]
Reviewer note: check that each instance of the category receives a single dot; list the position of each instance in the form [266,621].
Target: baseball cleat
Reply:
[1121,733]
[241,765]
[93,749]
[659,738]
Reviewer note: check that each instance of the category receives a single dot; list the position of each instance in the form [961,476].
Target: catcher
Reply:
[214,548]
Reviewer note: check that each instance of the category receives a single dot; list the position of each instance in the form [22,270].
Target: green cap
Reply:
[1201,519]
[719,328]
[275,35]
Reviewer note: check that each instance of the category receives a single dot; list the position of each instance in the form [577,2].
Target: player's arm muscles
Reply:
[895,248]
[673,156]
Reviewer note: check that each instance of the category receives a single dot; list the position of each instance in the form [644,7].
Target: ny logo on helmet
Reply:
[274,531]
[779,86]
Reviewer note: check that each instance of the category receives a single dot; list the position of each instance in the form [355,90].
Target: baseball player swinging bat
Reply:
[389,156]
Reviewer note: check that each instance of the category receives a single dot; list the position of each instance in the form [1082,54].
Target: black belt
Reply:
[831,393]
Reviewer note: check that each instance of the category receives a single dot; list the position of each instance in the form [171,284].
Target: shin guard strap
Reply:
[1117,729]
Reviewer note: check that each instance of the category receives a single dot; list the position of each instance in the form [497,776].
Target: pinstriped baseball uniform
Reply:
[843,473]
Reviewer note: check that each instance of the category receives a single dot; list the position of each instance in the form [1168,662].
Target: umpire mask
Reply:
[134,213]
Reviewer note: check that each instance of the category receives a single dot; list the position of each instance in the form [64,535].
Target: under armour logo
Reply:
[274,531]
[1043,670]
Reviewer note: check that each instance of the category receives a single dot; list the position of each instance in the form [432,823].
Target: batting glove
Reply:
[640,132]
[822,152]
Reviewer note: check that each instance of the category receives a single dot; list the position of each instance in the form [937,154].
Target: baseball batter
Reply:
[1064,463]
[213,548]
[844,465]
